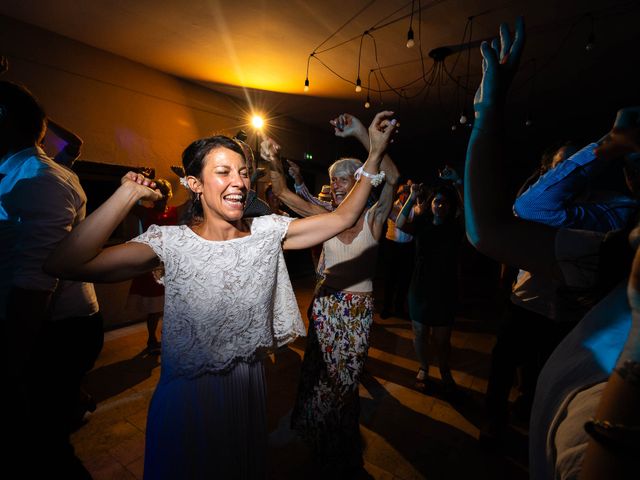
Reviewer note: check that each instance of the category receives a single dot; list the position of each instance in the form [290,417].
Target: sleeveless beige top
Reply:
[351,266]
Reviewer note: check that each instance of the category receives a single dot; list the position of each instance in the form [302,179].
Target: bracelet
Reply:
[614,435]
[630,372]
[376,179]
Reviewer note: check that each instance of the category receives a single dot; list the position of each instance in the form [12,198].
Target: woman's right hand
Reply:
[144,187]
[269,150]
[500,61]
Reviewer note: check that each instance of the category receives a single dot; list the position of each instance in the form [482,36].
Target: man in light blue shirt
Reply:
[562,198]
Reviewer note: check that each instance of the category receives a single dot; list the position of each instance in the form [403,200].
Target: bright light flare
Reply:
[257,121]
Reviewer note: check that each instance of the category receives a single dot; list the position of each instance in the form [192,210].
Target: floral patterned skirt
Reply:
[327,407]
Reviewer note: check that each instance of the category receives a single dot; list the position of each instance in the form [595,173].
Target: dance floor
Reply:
[409,432]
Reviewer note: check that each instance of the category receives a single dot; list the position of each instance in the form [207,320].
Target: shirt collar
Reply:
[13,160]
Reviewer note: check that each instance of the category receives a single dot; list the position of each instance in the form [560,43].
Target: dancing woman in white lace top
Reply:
[228,299]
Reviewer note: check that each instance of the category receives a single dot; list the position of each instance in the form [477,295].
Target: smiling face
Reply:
[340,187]
[224,184]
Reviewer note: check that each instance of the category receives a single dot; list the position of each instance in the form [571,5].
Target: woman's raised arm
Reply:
[80,256]
[306,232]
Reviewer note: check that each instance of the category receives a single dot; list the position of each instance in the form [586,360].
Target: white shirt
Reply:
[40,202]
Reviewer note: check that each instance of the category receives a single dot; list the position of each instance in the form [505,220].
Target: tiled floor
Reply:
[408,434]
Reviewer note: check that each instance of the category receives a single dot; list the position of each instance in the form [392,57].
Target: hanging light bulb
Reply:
[410,41]
[454,127]
[358,84]
[367,104]
[591,39]
[591,42]
[463,119]
[306,85]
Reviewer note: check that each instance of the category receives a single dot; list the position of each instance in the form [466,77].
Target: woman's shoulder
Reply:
[269,222]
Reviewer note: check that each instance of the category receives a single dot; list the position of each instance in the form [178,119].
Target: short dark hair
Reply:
[22,112]
[193,163]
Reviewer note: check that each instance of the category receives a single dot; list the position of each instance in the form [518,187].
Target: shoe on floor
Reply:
[421,376]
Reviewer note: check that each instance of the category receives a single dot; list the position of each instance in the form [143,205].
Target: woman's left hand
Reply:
[380,131]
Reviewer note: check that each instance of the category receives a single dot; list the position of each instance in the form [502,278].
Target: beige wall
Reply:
[127,113]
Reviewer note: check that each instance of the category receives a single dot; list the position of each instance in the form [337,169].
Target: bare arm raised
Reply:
[80,255]
[346,125]
[490,224]
[306,232]
[270,151]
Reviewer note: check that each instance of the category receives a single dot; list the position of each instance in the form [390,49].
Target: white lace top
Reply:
[225,301]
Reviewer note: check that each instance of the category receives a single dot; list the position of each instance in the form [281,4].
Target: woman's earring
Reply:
[197,196]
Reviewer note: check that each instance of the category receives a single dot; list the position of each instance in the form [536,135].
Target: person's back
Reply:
[40,202]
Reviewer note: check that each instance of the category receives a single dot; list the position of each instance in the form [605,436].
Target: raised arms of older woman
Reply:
[306,232]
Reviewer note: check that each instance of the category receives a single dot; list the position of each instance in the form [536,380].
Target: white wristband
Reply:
[376,179]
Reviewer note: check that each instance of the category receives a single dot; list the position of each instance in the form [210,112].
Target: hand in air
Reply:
[380,132]
[269,150]
[145,187]
[449,174]
[347,125]
[500,62]
[294,172]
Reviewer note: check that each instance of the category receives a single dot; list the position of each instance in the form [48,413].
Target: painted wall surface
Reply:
[127,113]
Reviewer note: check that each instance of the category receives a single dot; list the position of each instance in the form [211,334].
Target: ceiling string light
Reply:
[367,103]
[358,81]
[463,117]
[454,127]
[591,39]
[410,41]
[306,80]
[439,75]
[529,119]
